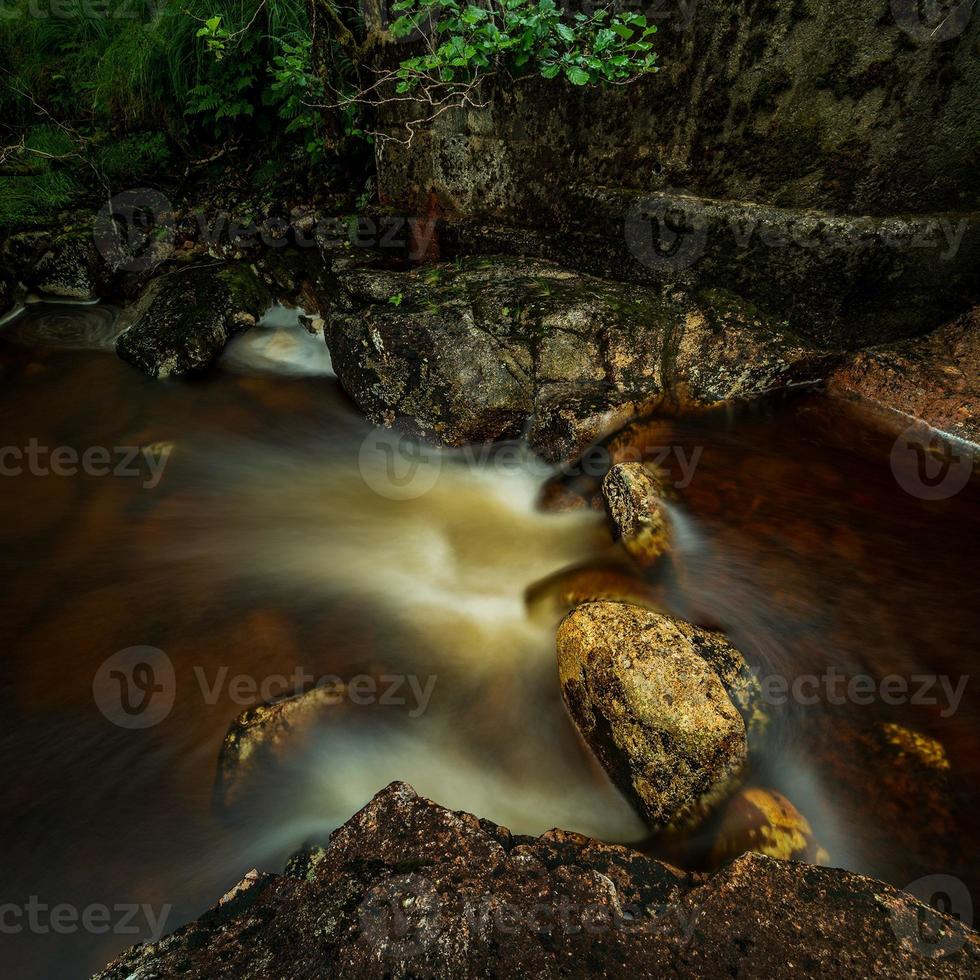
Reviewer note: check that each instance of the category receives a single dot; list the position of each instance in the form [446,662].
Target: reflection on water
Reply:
[275,541]
[64,326]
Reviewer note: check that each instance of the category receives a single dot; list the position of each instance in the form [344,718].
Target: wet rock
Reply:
[71,268]
[746,161]
[408,888]
[184,319]
[634,497]
[493,348]
[261,736]
[558,593]
[765,822]
[667,707]
[934,379]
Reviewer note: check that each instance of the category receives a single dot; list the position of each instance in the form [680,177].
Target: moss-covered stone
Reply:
[184,319]
[496,347]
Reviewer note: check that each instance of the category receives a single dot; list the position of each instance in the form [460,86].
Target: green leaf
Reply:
[577,76]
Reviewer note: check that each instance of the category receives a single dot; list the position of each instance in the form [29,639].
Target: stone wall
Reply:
[827,111]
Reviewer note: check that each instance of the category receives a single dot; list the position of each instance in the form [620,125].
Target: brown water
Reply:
[270,538]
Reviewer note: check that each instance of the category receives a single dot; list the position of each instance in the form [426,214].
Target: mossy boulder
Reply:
[497,347]
[184,319]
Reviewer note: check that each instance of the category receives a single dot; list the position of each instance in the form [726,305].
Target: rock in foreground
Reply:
[667,707]
[184,319]
[407,888]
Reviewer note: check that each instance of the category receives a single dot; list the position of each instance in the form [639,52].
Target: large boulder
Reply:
[407,888]
[495,348]
[667,707]
[184,319]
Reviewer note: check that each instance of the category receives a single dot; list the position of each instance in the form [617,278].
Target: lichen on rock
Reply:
[496,347]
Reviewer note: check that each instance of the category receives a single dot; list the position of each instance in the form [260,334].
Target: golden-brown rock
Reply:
[635,495]
[650,695]
[764,821]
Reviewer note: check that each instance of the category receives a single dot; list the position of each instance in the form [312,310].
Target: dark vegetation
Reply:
[99,94]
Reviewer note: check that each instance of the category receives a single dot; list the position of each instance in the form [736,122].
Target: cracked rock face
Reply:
[407,888]
[667,707]
[497,347]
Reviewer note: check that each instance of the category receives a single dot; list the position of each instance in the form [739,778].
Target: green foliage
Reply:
[39,180]
[296,91]
[521,36]
[154,67]
[124,158]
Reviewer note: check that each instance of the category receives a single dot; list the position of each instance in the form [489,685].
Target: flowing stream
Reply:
[253,533]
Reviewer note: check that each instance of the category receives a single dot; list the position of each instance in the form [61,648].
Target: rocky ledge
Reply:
[407,888]
[933,379]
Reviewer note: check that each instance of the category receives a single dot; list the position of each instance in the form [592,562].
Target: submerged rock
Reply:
[667,707]
[765,822]
[407,888]
[262,736]
[900,775]
[184,319]
[495,348]
[634,500]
